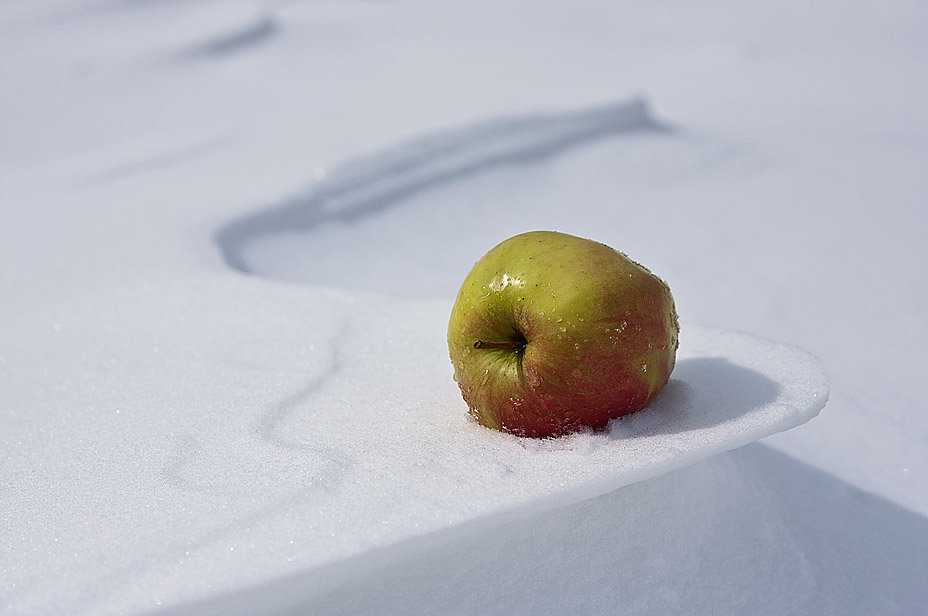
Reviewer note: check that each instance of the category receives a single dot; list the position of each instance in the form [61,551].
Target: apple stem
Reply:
[508,344]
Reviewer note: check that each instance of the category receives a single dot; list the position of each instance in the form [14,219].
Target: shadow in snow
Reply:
[751,531]
[269,424]
[704,392]
[261,31]
[152,163]
[372,184]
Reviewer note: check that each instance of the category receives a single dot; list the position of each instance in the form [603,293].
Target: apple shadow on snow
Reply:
[702,392]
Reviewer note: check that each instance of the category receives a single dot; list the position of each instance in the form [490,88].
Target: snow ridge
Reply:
[261,30]
[380,180]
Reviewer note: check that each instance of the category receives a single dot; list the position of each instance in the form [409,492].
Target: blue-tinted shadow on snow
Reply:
[375,183]
[752,531]
[704,392]
[260,31]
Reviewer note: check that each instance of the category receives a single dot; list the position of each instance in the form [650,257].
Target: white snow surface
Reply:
[231,233]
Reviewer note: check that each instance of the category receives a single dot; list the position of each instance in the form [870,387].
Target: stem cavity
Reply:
[512,345]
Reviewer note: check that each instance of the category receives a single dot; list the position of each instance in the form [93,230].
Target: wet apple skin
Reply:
[591,335]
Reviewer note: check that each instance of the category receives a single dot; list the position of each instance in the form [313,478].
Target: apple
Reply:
[551,333]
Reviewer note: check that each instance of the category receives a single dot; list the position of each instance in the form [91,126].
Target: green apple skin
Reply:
[551,333]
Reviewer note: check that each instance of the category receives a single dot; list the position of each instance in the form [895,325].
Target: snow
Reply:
[230,234]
